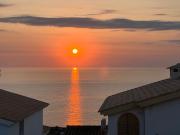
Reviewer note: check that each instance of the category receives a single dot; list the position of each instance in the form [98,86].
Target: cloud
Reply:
[161,14]
[173,41]
[4,5]
[78,22]
[103,12]
[7,31]
[131,30]
[163,42]
[3,30]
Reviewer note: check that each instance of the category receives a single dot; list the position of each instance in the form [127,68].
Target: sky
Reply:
[108,33]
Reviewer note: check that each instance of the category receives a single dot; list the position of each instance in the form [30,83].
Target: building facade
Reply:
[152,109]
[20,115]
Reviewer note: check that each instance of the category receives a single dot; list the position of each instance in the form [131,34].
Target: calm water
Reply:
[75,95]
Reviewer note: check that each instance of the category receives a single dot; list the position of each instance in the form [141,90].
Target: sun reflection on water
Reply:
[74,112]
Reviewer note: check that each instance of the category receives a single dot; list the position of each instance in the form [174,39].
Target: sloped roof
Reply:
[142,93]
[175,66]
[15,108]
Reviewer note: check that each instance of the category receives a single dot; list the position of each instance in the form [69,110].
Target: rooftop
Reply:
[141,94]
[15,108]
[175,66]
[77,130]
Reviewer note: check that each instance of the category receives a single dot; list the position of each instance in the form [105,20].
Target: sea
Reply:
[75,94]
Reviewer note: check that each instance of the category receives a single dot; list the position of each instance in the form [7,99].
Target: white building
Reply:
[20,115]
[153,109]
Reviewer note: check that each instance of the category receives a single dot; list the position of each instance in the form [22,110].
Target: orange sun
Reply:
[75,51]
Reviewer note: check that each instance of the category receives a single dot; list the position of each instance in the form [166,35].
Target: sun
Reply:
[75,51]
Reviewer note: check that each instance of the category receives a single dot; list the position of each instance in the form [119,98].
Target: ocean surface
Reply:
[75,94]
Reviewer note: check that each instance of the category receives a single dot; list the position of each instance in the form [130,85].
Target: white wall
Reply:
[112,124]
[8,128]
[33,125]
[14,130]
[113,121]
[163,119]
[3,130]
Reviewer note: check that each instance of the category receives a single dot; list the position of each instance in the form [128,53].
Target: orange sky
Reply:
[31,44]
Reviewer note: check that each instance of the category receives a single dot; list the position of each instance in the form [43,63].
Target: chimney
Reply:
[103,127]
[175,71]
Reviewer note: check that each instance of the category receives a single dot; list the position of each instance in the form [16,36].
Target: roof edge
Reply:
[41,105]
[141,104]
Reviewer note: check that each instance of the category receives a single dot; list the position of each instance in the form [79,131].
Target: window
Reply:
[175,70]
